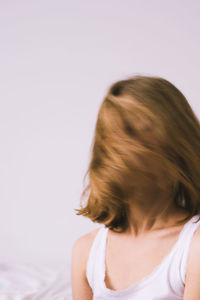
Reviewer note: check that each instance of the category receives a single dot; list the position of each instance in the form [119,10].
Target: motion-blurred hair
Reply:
[141,119]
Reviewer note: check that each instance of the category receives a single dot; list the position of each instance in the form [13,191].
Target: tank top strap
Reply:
[95,258]
[175,263]
[185,243]
[178,261]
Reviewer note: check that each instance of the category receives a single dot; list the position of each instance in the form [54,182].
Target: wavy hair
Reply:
[142,120]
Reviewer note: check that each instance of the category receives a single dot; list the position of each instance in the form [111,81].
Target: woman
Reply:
[144,187]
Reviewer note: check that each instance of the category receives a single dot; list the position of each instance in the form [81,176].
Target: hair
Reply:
[132,110]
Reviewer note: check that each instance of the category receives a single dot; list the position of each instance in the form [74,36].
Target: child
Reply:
[144,188]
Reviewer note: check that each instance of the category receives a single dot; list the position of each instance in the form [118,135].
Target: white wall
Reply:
[57,59]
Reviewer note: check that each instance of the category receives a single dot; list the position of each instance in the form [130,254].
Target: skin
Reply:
[152,223]
[152,209]
[151,227]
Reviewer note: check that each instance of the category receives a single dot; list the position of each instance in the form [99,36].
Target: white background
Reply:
[57,60]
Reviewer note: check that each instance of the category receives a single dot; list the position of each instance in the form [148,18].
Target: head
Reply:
[146,134]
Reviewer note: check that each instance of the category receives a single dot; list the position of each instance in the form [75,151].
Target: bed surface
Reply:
[23,281]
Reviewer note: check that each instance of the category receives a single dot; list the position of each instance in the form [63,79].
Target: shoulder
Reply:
[86,240]
[82,245]
[192,280]
[80,253]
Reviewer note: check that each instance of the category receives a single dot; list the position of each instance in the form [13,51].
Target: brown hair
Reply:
[132,109]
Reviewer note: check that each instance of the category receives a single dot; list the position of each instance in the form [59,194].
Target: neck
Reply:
[150,211]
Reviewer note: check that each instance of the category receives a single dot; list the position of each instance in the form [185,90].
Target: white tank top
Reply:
[165,282]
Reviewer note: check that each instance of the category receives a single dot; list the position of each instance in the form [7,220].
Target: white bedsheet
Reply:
[22,281]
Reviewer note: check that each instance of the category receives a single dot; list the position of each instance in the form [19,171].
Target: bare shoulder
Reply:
[81,289]
[85,241]
[192,280]
[82,246]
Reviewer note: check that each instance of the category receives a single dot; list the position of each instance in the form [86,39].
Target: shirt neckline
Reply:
[145,280]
